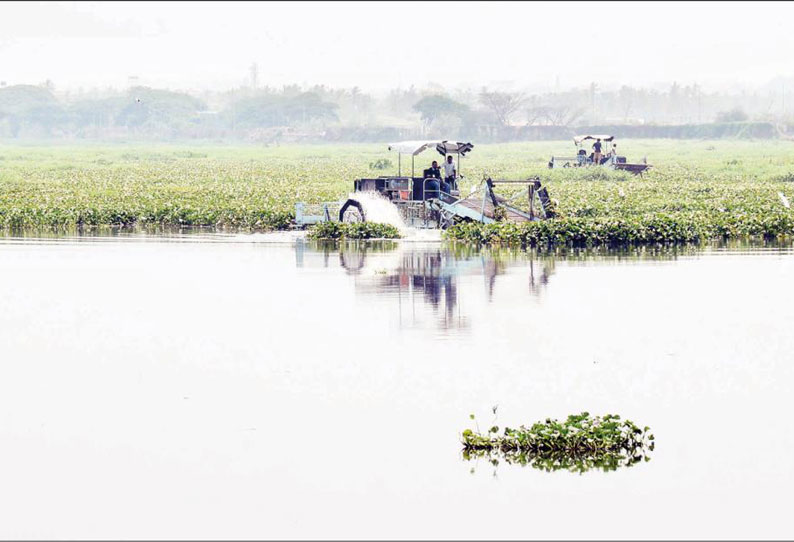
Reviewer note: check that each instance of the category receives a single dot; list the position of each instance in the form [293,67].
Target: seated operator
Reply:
[433,185]
[435,171]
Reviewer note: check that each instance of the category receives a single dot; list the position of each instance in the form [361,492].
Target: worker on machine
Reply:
[613,153]
[433,186]
[597,152]
[450,173]
[434,171]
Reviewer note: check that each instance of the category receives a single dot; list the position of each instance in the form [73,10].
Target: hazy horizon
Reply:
[376,46]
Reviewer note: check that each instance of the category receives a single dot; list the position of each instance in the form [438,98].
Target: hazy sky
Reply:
[382,45]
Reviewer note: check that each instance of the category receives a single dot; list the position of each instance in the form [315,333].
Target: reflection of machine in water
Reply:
[431,274]
[435,274]
[546,270]
[498,266]
[352,258]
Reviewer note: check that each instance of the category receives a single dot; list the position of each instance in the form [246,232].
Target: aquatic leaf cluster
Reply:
[661,228]
[353,230]
[579,443]
[381,163]
[241,188]
[696,190]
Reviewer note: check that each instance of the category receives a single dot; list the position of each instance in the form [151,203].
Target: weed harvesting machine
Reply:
[422,201]
[609,159]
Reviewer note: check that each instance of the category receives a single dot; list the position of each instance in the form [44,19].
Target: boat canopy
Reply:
[443,147]
[580,138]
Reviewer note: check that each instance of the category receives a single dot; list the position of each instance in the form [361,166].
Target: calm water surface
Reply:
[216,386]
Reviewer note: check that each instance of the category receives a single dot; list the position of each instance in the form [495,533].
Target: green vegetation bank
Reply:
[697,190]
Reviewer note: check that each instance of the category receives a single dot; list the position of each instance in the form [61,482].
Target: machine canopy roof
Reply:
[578,139]
[443,147]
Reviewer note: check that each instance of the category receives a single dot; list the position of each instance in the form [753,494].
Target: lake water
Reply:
[213,386]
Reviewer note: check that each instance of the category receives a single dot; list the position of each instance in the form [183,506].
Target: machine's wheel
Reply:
[352,211]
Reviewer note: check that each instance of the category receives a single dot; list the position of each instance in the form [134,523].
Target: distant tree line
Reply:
[321,113]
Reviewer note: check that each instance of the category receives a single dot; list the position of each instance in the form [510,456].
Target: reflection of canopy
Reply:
[443,147]
[578,139]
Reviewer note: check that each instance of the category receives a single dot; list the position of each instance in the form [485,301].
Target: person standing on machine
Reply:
[450,173]
[597,152]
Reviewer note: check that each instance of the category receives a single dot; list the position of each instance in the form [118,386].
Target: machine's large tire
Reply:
[356,206]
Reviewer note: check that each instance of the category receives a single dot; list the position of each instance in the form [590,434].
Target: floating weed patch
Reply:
[353,230]
[659,228]
[690,195]
[578,444]
[381,163]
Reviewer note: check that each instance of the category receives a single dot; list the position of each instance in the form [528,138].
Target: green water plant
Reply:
[696,192]
[656,229]
[579,443]
[354,230]
[381,163]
